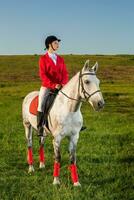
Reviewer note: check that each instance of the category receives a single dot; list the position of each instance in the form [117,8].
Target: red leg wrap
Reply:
[74,175]
[41,152]
[30,156]
[56,172]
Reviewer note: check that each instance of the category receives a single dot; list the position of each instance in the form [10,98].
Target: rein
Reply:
[86,94]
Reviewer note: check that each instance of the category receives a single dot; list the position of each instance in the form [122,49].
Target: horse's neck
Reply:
[71,90]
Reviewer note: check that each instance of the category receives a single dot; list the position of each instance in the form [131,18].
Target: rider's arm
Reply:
[46,82]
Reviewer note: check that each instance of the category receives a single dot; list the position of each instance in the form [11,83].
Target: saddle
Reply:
[46,107]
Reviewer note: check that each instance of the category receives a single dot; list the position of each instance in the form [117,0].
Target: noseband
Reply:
[85,93]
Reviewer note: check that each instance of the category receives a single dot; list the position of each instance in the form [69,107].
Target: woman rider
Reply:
[53,75]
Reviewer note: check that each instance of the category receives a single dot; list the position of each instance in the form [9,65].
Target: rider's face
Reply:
[55,45]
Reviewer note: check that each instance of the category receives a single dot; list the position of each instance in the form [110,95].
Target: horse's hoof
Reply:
[31,169]
[56,181]
[42,165]
[77,184]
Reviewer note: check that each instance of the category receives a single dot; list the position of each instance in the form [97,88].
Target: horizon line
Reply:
[98,54]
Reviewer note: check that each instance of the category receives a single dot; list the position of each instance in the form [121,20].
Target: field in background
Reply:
[105,153]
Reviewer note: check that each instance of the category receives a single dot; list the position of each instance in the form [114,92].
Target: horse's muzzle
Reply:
[101,104]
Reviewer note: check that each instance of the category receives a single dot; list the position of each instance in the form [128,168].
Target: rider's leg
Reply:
[40,115]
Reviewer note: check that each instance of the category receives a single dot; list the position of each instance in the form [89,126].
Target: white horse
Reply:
[65,118]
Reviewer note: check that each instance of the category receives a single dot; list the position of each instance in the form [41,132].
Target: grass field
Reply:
[105,153]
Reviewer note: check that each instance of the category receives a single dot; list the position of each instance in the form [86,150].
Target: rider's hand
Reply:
[58,86]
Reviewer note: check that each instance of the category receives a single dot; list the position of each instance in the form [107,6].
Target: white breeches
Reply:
[42,93]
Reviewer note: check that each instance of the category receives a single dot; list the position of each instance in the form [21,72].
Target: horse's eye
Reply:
[86,81]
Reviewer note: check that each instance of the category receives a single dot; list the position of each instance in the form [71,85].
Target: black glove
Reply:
[56,91]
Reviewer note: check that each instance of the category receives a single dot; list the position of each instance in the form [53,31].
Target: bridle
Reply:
[85,93]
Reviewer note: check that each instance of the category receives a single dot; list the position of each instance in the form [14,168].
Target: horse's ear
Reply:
[86,65]
[95,67]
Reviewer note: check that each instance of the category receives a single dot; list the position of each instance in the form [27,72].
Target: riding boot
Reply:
[40,119]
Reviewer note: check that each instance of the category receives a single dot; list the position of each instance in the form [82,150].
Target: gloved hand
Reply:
[56,91]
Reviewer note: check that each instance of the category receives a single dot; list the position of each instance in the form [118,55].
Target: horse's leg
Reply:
[56,172]
[41,152]
[72,152]
[28,132]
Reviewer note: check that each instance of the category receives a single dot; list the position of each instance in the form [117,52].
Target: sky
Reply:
[84,26]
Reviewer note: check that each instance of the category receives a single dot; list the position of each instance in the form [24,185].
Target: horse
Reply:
[65,118]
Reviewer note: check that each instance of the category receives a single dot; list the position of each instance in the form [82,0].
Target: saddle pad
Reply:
[33,106]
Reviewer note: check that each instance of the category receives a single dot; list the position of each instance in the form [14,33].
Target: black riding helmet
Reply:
[50,39]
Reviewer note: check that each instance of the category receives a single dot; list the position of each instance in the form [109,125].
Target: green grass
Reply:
[105,152]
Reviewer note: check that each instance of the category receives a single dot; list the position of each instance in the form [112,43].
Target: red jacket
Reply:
[52,74]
